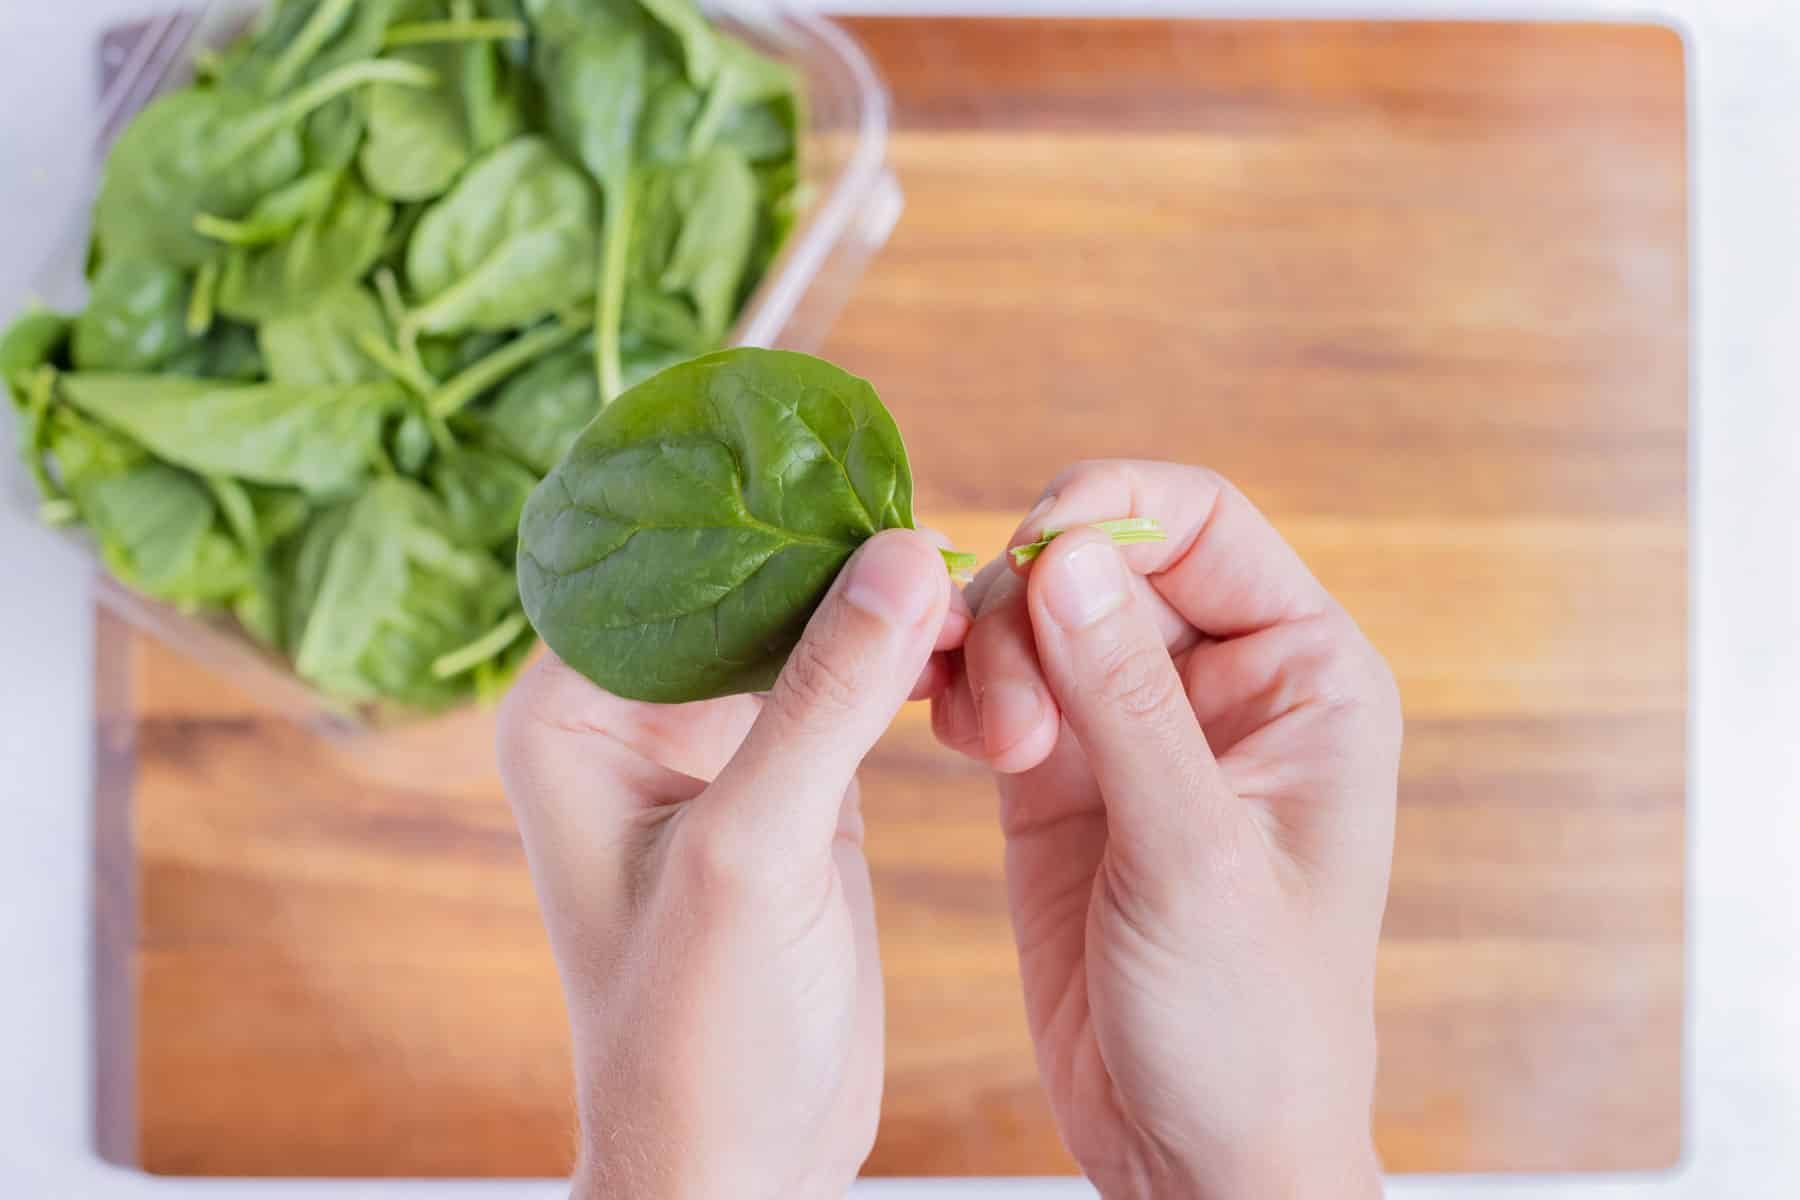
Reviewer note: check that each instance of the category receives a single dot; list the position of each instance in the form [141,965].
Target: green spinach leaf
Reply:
[322,440]
[228,351]
[193,153]
[513,241]
[418,141]
[483,494]
[136,317]
[679,549]
[157,531]
[36,338]
[323,344]
[382,591]
[325,253]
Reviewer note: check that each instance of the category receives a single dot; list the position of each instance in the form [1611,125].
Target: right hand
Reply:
[1198,753]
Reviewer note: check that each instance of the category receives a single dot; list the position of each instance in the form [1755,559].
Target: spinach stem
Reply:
[39,399]
[322,91]
[240,514]
[200,302]
[387,288]
[615,244]
[1127,531]
[410,376]
[222,229]
[484,373]
[425,33]
[481,649]
[313,35]
[960,563]
[60,511]
[712,114]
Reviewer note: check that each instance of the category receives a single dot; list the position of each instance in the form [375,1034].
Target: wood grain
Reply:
[1420,289]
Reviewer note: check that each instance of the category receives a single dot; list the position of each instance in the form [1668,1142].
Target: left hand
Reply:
[701,872]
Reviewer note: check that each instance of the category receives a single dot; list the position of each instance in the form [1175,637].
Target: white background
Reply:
[1744,1073]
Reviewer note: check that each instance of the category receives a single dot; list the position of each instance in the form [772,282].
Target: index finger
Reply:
[1224,568]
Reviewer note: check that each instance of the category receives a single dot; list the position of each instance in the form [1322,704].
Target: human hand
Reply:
[701,873]
[1198,753]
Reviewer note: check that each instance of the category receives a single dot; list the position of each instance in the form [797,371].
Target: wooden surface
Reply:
[1421,289]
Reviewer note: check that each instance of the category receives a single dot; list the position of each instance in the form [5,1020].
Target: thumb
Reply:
[1109,669]
[857,661]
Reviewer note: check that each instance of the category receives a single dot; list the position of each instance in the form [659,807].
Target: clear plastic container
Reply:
[854,203]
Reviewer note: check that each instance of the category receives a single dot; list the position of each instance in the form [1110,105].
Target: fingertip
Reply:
[1029,752]
[1079,580]
[1019,724]
[898,577]
[933,679]
[953,718]
[955,629]
[1031,528]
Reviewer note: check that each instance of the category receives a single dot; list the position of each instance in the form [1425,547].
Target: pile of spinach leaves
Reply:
[359,287]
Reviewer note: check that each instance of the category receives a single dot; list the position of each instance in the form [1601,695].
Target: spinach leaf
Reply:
[322,344]
[691,247]
[557,21]
[228,351]
[716,197]
[513,241]
[755,77]
[594,86]
[412,443]
[382,591]
[299,40]
[35,338]
[323,23]
[84,450]
[277,214]
[594,90]
[536,416]
[417,142]
[326,252]
[136,318]
[668,121]
[763,133]
[193,153]
[679,549]
[157,531]
[699,45]
[321,440]
[446,356]
[483,495]
[494,96]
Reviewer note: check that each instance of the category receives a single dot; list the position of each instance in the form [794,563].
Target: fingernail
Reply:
[1083,585]
[1030,524]
[890,579]
[1009,711]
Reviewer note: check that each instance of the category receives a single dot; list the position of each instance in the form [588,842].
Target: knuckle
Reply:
[1139,681]
[1213,480]
[717,861]
[815,682]
[1355,677]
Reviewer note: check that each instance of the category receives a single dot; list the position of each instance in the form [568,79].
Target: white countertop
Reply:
[1743,1111]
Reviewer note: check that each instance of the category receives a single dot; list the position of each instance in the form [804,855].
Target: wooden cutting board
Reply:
[1421,289]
